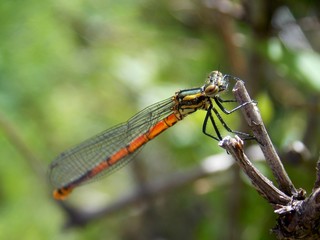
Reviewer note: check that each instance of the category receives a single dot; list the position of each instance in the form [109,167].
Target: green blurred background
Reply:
[70,69]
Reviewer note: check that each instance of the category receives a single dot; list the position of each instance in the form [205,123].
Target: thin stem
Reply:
[254,120]
[263,185]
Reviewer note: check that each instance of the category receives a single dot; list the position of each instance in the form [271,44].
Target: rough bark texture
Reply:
[298,215]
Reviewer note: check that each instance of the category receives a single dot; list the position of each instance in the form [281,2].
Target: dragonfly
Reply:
[108,151]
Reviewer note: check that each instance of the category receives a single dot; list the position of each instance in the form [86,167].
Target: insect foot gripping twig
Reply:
[254,120]
[298,215]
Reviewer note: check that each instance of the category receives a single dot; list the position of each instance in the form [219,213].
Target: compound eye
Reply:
[211,90]
[214,76]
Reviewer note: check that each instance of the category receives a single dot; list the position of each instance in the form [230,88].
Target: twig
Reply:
[298,216]
[263,185]
[299,219]
[254,120]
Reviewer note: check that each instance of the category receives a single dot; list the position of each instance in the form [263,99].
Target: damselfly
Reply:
[115,147]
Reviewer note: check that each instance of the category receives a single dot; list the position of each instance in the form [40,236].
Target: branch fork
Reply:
[298,215]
